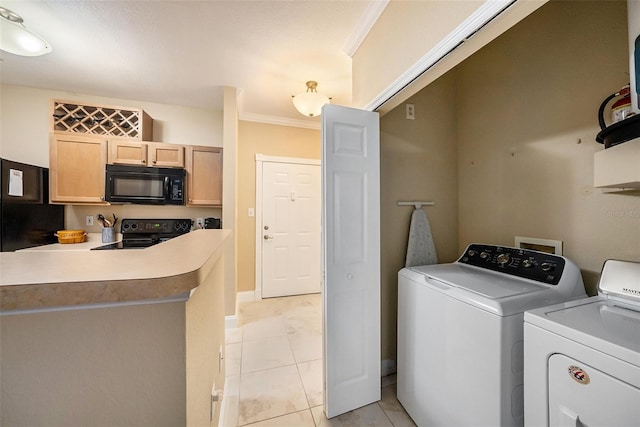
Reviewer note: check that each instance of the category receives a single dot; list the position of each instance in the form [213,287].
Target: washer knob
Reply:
[484,255]
[527,263]
[472,252]
[546,266]
[503,259]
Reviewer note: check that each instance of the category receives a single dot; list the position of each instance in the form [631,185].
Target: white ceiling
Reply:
[184,52]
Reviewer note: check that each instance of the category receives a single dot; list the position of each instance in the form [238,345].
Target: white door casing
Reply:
[288,204]
[351,258]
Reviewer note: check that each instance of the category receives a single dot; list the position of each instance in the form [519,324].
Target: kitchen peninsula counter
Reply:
[40,278]
[114,337]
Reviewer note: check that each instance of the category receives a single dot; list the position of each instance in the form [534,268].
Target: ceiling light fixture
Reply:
[310,103]
[16,39]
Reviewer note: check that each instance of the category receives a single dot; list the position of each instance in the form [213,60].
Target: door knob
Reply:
[267,237]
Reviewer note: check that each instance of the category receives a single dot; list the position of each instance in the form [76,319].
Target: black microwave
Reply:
[144,185]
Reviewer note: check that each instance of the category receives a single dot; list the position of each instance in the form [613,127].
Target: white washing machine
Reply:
[582,358]
[460,328]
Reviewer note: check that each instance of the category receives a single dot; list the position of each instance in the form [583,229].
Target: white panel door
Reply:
[351,258]
[291,229]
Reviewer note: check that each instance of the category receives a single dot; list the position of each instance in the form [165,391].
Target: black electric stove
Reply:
[142,233]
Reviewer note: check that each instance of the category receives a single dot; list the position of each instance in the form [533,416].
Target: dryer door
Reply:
[582,395]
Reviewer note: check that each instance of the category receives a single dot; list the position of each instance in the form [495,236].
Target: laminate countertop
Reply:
[61,278]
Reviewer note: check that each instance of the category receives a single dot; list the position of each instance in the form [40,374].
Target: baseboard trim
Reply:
[246,296]
[387,367]
[230,322]
[222,422]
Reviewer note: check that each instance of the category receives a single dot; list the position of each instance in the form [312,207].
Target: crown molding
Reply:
[281,121]
[368,20]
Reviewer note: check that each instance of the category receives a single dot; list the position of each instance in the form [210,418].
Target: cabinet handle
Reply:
[143,161]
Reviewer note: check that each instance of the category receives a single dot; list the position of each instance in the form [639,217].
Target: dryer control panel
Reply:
[525,263]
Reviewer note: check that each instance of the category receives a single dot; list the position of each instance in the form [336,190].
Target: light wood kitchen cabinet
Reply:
[165,155]
[204,176]
[157,154]
[77,169]
[127,153]
[72,117]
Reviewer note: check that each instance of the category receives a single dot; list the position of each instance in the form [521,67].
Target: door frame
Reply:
[260,159]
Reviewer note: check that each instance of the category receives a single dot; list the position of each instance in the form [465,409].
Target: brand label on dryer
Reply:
[579,375]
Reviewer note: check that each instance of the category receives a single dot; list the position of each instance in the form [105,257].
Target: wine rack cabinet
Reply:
[68,117]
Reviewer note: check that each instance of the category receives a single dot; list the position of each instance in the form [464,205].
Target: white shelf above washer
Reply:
[618,166]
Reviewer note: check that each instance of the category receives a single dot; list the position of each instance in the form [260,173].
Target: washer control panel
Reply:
[525,263]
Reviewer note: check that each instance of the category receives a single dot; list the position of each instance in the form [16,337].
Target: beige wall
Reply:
[24,122]
[418,162]
[527,121]
[499,24]
[272,140]
[504,145]
[24,137]
[101,366]
[402,35]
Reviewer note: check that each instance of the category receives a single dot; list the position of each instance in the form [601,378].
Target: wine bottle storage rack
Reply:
[105,120]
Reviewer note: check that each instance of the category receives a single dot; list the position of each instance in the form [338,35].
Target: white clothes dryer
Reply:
[460,332]
[582,358]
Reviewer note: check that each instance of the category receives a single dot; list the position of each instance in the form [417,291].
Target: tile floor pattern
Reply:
[274,370]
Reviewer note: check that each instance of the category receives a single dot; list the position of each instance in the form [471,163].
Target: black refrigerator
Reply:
[26,217]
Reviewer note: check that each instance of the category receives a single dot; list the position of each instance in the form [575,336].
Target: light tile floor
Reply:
[274,370]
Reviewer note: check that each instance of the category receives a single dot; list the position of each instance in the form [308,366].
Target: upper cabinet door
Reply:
[165,155]
[127,153]
[204,176]
[77,169]
[157,154]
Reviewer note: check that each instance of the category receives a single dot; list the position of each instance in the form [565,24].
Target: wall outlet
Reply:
[89,220]
[199,223]
[411,111]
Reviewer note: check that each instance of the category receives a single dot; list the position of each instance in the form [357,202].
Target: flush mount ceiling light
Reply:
[16,39]
[310,103]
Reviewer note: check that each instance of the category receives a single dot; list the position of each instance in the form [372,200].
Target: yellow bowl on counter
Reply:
[70,236]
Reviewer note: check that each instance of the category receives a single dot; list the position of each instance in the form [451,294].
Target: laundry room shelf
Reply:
[106,120]
[618,166]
